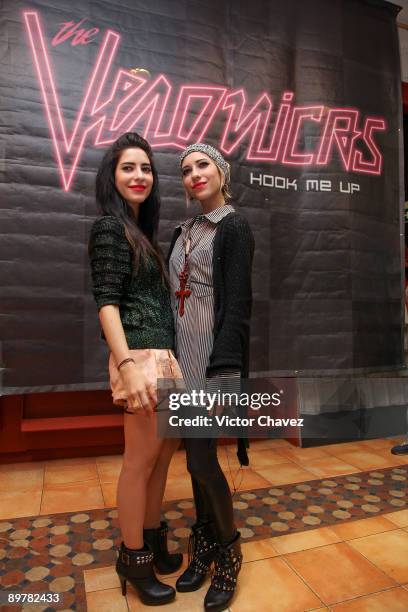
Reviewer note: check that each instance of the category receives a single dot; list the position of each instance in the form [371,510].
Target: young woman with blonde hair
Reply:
[210,264]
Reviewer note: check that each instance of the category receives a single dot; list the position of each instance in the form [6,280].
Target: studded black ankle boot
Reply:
[224,579]
[164,562]
[202,547]
[136,566]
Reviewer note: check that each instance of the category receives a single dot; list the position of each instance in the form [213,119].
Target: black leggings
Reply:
[212,496]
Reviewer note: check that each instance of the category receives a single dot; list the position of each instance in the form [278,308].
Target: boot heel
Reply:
[123,585]
[136,567]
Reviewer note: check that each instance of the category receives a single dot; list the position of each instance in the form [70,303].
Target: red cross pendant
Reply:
[182,292]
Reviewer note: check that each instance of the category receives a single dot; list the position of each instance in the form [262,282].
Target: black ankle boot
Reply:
[164,562]
[224,580]
[202,547]
[136,566]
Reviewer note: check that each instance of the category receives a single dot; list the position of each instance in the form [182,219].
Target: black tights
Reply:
[212,496]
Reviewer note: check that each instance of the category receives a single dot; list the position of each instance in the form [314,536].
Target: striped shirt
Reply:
[194,330]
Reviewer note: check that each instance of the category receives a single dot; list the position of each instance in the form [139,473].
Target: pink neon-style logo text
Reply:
[170,120]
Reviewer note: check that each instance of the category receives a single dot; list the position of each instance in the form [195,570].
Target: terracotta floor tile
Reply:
[363,527]
[343,447]
[388,551]
[393,600]
[400,518]
[109,494]
[246,479]
[109,600]
[338,572]
[178,464]
[302,456]
[378,443]
[177,472]
[329,467]
[390,458]
[109,459]
[286,473]
[260,549]
[178,488]
[228,460]
[235,479]
[401,460]
[101,579]
[109,471]
[20,477]
[305,540]
[71,497]
[263,459]
[15,504]
[365,460]
[60,474]
[271,580]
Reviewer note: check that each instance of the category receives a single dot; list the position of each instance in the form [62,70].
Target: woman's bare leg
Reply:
[142,448]
[157,483]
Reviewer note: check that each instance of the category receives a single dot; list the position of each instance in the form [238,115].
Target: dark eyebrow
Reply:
[130,163]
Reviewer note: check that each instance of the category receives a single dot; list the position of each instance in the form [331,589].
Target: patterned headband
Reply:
[212,152]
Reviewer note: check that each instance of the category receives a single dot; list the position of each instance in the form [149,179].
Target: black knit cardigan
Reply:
[232,264]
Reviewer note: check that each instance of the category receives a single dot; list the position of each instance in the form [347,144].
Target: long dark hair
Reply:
[141,233]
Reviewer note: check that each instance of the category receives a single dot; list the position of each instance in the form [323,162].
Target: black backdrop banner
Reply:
[303,98]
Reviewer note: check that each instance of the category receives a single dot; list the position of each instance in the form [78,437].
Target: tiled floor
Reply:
[359,565]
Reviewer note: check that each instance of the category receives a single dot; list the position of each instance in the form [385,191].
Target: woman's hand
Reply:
[141,394]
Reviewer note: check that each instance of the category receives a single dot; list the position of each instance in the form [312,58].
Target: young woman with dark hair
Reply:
[131,292]
[210,264]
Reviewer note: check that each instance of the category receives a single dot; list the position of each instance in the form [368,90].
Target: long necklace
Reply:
[182,292]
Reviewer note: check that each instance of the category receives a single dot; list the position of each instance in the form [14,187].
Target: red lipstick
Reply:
[199,185]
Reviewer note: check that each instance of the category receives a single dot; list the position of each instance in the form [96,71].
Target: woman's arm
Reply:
[231,340]
[139,393]
[111,264]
